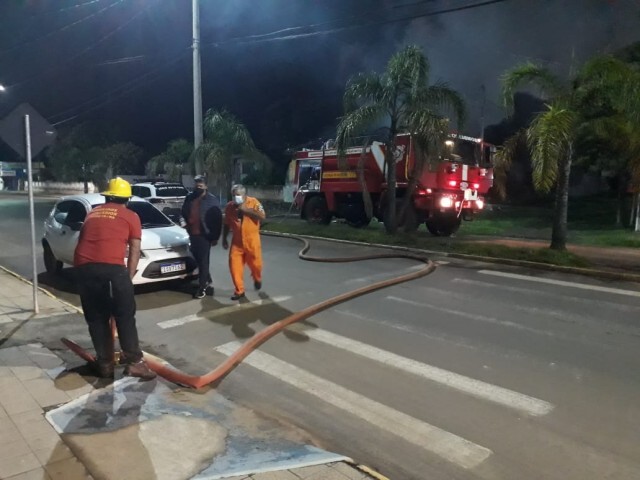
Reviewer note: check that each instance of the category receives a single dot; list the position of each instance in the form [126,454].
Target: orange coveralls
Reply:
[245,245]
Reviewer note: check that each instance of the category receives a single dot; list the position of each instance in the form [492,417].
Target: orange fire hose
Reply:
[165,370]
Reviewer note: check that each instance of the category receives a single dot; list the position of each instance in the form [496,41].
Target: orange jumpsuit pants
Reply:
[238,258]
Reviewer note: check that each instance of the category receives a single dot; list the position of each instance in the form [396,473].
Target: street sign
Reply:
[43,133]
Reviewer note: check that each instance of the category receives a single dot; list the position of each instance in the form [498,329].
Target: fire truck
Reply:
[447,191]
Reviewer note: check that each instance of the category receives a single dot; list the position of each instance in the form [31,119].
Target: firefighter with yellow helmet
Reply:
[105,282]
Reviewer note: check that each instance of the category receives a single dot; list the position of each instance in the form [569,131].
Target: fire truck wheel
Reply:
[361,222]
[316,211]
[443,226]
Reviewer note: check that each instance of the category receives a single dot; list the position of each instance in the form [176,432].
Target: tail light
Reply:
[421,192]
[476,186]
[452,183]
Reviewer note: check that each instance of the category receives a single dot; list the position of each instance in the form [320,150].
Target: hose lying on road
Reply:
[167,371]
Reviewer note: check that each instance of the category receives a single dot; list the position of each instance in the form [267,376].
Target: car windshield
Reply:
[150,216]
[171,191]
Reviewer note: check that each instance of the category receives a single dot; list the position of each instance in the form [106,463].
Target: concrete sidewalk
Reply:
[37,386]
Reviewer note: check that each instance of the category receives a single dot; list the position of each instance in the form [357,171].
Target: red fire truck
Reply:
[446,192]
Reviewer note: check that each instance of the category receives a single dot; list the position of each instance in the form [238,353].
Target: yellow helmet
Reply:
[118,187]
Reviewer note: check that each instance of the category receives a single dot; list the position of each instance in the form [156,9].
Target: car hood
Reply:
[164,237]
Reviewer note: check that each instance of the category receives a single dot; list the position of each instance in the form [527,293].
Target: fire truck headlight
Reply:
[480,204]
[446,202]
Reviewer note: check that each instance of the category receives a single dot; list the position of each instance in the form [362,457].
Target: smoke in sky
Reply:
[472,48]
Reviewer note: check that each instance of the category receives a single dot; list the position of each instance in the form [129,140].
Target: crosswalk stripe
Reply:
[477,388]
[472,316]
[562,283]
[446,445]
[176,322]
[559,294]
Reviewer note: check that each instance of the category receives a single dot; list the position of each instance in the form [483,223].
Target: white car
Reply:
[165,253]
[167,197]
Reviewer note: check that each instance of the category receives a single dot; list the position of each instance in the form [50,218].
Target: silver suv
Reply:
[166,196]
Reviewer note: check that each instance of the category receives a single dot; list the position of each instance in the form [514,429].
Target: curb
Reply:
[46,292]
[589,272]
[368,471]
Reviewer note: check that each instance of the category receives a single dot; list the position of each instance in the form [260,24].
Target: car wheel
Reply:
[51,263]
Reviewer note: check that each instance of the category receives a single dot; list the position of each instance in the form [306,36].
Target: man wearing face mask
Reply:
[242,216]
[203,216]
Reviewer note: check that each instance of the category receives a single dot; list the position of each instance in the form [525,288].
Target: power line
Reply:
[65,9]
[119,92]
[300,27]
[118,61]
[61,29]
[81,53]
[78,5]
[268,37]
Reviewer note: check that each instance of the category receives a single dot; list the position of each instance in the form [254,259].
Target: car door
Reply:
[55,231]
[71,230]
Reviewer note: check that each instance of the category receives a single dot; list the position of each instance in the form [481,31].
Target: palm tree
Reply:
[550,138]
[552,134]
[225,138]
[403,98]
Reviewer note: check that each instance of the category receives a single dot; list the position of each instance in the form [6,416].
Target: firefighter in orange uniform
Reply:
[242,216]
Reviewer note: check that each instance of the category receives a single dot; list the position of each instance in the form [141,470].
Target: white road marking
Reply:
[442,337]
[562,283]
[486,391]
[472,316]
[446,445]
[529,292]
[176,322]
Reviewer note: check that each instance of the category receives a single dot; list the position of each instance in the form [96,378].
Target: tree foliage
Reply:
[403,99]
[90,151]
[173,162]
[226,139]
[603,84]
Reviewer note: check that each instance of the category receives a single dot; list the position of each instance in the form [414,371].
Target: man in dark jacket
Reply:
[203,216]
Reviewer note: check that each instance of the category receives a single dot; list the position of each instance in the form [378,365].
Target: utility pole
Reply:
[197,82]
[27,141]
[484,101]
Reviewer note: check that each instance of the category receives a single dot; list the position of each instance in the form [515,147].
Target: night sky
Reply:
[129,61]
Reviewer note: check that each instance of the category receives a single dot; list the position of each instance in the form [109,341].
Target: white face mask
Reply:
[238,199]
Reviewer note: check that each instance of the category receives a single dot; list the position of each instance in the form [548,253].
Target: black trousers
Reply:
[201,249]
[105,291]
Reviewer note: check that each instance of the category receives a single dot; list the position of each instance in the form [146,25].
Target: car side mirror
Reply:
[75,226]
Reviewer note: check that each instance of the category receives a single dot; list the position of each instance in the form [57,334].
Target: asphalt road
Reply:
[474,372]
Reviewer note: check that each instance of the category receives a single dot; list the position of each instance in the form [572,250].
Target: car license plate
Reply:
[173,267]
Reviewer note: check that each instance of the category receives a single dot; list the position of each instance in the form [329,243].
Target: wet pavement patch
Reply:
[133,429]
